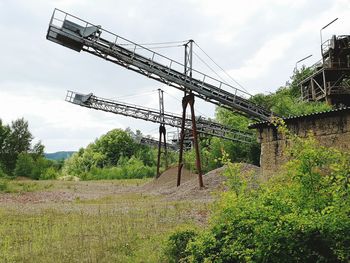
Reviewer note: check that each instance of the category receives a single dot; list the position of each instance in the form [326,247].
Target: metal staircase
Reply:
[204,126]
[78,34]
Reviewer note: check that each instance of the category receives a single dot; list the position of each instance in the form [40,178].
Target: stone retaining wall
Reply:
[331,129]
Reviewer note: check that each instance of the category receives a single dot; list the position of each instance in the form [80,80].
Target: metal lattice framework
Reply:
[204,126]
[154,142]
[78,34]
[330,80]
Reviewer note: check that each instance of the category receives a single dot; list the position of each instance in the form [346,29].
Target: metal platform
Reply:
[330,80]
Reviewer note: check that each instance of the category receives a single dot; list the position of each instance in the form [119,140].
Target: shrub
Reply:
[69,178]
[24,165]
[2,173]
[301,215]
[131,168]
[3,185]
[49,174]
[175,248]
[40,167]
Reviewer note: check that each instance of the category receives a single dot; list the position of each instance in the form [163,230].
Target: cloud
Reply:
[51,117]
[258,42]
[277,52]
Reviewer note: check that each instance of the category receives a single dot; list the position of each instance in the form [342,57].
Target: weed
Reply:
[125,227]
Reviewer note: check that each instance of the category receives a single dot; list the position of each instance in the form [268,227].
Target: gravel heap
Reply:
[189,188]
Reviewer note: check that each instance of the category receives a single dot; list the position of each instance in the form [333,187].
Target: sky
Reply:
[257,42]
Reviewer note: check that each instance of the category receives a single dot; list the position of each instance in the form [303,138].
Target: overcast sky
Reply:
[257,42]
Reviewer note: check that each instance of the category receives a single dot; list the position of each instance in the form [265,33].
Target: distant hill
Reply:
[59,155]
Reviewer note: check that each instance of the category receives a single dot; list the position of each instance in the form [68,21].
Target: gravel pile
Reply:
[189,188]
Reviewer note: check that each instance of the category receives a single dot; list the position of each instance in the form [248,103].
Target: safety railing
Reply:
[114,40]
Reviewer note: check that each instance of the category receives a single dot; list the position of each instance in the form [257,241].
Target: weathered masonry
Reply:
[330,128]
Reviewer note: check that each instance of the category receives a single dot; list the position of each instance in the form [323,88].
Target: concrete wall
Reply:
[330,129]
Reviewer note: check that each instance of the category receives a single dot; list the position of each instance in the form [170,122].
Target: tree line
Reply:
[117,155]
[19,156]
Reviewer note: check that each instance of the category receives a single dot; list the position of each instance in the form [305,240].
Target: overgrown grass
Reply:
[13,186]
[122,172]
[129,227]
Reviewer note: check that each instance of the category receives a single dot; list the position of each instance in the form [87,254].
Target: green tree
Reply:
[24,165]
[20,137]
[14,139]
[114,144]
[4,145]
[2,172]
[38,150]
[286,101]
[41,165]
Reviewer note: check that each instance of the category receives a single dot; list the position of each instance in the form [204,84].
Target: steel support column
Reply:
[189,100]
[162,131]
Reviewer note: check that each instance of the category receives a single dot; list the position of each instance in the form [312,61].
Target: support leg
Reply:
[162,131]
[195,140]
[182,137]
[189,99]
[165,149]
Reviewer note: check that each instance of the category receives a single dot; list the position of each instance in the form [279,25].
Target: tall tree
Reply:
[114,144]
[20,137]
[38,150]
[14,140]
[4,147]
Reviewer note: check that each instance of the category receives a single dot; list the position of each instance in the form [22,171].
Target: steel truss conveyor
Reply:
[77,34]
[204,126]
[155,143]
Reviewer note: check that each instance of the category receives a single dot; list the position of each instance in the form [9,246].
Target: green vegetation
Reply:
[300,215]
[285,101]
[115,155]
[127,227]
[19,187]
[18,157]
[211,150]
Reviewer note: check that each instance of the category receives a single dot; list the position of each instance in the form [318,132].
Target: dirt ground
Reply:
[101,221]
[164,186]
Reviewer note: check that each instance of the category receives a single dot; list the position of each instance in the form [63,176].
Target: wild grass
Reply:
[126,227]
[13,186]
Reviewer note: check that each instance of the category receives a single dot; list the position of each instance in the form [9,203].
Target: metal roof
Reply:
[303,116]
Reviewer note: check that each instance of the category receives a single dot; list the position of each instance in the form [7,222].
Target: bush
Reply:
[301,215]
[69,178]
[2,173]
[39,168]
[24,165]
[175,248]
[49,174]
[131,168]
[3,185]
